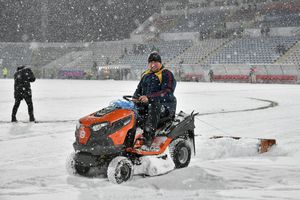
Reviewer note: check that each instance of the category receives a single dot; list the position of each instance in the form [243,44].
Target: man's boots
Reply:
[13,118]
[148,140]
[31,118]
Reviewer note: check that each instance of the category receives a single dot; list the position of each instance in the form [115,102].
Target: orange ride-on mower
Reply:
[110,140]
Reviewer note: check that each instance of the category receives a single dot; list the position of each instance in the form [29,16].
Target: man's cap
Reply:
[21,67]
[154,56]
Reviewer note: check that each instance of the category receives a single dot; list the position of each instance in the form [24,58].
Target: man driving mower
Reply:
[155,98]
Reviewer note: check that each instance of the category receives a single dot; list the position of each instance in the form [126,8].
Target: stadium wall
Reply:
[262,73]
[241,73]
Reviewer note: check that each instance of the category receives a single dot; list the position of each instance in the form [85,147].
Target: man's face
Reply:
[154,66]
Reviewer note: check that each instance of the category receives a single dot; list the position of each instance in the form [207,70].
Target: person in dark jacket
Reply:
[22,90]
[155,97]
[211,75]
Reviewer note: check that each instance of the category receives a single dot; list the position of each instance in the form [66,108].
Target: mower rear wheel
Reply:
[120,170]
[180,151]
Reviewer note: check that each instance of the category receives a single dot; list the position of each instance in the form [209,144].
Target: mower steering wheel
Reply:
[128,97]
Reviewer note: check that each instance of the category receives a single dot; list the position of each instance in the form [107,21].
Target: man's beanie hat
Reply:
[21,67]
[154,56]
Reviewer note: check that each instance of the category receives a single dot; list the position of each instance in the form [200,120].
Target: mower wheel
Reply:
[81,170]
[120,170]
[74,167]
[180,151]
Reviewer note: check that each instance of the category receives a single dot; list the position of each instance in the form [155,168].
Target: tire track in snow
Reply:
[270,105]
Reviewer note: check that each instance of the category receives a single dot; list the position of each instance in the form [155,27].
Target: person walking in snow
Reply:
[22,90]
[155,97]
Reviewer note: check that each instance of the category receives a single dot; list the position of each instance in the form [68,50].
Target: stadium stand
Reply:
[158,22]
[200,22]
[15,54]
[227,36]
[281,14]
[199,51]
[253,50]
[292,56]
[105,53]
[45,54]
[168,49]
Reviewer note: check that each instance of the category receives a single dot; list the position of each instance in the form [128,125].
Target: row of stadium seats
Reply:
[197,52]
[168,50]
[252,50]
[15,54]
[293,56]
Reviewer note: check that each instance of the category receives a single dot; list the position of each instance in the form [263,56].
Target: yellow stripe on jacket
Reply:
[158,74]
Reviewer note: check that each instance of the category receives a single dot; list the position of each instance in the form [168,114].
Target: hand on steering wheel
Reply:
[141,99]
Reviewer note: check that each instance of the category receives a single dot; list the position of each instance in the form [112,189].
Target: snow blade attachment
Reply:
[264,144]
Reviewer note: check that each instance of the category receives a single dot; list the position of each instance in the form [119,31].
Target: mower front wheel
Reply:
[120,170]
[73,167]
[82,170]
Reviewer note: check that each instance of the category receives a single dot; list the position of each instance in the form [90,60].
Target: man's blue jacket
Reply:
[160,87]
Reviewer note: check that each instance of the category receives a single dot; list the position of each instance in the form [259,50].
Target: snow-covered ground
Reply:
[34,155]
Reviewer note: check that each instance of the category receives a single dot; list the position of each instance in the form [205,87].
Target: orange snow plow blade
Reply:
[264,144]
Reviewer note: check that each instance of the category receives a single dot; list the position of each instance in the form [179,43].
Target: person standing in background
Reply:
[211,75]
[252,75]
[22,90]
[4,72]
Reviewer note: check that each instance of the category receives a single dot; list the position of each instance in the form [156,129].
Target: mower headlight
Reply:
[97,127]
